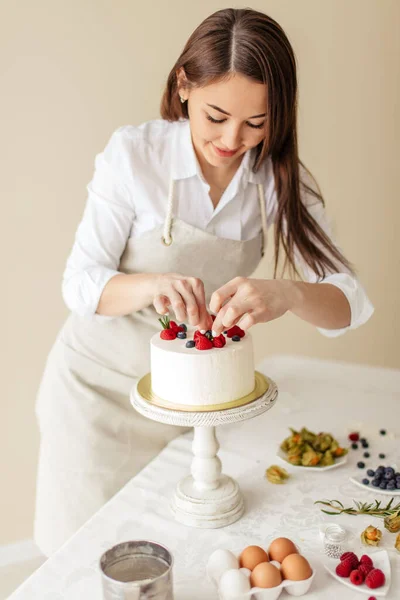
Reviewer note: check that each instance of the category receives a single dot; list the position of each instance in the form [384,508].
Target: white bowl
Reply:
[361,474]
[338,463]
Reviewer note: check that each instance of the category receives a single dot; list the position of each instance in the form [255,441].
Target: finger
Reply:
[248,320]
[161,304]
[232,315]
[218,325]
[192,309]
[223,294]
[178,305]
[205,320]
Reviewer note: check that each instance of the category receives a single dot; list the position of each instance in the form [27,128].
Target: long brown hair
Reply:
[249,42]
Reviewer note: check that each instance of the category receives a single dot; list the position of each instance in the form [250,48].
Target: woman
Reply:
[176,219]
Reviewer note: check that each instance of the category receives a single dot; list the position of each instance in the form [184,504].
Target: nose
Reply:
[231,137]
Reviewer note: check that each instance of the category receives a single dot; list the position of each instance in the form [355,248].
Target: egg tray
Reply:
[294,588]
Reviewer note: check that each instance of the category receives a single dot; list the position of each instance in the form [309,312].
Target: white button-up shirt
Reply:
[128,196]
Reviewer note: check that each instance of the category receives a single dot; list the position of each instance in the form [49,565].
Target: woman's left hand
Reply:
[250,301]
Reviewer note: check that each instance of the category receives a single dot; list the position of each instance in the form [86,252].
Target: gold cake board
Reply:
[144,389]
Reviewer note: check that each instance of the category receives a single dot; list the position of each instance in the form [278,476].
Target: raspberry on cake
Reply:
[167,334]
[219,341]
[235,330]
[203,343]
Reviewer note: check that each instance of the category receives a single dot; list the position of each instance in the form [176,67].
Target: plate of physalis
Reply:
[305,449]
[256,573]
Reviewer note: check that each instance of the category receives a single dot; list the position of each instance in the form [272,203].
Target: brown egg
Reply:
[280,548]
[296,568]
[265,575]
[252,556]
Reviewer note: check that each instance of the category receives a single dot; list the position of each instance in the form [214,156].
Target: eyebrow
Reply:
[229,115]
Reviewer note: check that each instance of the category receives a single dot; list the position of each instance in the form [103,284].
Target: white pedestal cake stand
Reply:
[207,498]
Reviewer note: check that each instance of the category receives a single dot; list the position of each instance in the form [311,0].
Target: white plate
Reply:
[381,561]
[362,473]
[371,488]
[338,462]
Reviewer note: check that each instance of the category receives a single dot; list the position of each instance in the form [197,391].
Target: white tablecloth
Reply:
[321,395]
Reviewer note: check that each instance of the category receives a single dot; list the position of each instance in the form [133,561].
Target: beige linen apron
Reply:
[92,440]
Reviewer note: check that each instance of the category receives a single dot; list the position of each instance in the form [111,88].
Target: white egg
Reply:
[275,563]
[219,562]
[232,584]
[247,572]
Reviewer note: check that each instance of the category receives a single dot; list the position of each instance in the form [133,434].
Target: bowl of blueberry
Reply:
[382,479]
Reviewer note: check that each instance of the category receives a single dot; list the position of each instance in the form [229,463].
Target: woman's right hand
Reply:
[185,296]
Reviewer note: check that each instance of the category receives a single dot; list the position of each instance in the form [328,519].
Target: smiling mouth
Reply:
[223,152]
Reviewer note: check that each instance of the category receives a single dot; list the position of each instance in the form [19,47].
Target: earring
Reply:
[183,100]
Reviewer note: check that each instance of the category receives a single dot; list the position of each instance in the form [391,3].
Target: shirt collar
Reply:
[185,163]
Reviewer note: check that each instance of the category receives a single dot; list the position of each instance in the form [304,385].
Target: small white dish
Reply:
[357,479]
[338,463]
[373,489]
[381,561]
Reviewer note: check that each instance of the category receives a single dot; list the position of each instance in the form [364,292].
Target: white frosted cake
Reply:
[192,377]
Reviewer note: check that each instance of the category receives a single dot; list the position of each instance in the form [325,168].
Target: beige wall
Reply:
[71,72]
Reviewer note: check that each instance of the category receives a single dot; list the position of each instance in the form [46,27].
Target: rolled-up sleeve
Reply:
[103,232]
[360,305]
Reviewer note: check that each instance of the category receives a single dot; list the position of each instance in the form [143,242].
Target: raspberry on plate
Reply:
[365,569]
[375,579]
[356,577]
[366,560]
[354,437]
[347,555]
[350,559]
[346,566]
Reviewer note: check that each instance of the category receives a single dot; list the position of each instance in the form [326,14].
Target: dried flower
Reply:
[397,543]
[276,474]
[371,536]
[392,523]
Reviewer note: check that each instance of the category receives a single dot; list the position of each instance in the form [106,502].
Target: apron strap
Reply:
[167,238]
[264,226]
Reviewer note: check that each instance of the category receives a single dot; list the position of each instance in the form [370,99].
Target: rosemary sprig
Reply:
[361,508]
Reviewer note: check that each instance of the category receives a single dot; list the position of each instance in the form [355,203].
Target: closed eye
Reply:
[210,118]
